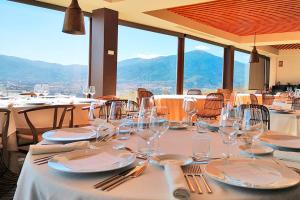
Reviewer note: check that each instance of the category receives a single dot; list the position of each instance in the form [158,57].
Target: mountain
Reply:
[202,70]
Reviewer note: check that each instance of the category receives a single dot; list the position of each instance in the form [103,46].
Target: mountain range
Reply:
[202,69]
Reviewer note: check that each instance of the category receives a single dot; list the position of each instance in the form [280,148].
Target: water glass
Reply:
[92,91]
[201,146]
[189,107]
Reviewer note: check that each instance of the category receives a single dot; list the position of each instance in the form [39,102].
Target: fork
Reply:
[45,159]
[196,170]
[190,171]
[186,173]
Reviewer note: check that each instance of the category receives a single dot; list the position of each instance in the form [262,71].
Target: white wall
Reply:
[290,72]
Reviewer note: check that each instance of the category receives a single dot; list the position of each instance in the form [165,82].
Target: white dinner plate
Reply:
[281,141]
[256,149]
[252,173]
[92,160]
[69,135]
[160,160]
[282,111]
[36,103]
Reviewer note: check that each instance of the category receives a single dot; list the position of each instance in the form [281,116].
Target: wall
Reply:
[290,72]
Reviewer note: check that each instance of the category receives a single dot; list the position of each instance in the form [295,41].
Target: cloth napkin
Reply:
[291,159]
[54,148]
[176,182]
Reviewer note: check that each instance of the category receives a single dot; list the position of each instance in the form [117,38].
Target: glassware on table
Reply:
[131,109]
[143,131]
[229,127]
[201,147]
[159,123]
[92,91]
[85,91]
[252,126]
[95,122]
[190,108]
[38,89]
[45,89]
[147,104]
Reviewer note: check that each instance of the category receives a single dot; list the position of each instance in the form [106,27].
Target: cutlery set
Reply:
[114,181]
[194,171]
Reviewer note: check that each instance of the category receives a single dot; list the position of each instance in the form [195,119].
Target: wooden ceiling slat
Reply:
[245,17]
[287,46]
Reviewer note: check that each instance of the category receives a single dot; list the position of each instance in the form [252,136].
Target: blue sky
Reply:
[35,33]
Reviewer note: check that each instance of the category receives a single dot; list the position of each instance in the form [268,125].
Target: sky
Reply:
[35,33]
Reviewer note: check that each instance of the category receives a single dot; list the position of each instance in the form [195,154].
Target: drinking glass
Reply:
[85,91]
[146,105]
[92,91]
[159,123]
[229,127]
[201,147]
[45,88]
[131,109]
[189,107]
[252,126]
[38,89]
[144,132]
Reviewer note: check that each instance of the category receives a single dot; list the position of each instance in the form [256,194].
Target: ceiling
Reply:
[230,22]
[286,46]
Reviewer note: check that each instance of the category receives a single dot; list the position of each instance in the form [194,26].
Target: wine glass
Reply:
[37,89]
[92,91]
[131,109]
[146,105]
[85,91]
[143,131]
[45,89]
[189,107]
[229,126]
[159,123]
[252,126]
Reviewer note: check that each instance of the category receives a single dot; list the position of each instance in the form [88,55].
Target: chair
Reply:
[213,105]
[194,92]
[226,93]
[264,111]
[143,93]
[35,136]
[8,179]
[267,99]
[296,104]
[253,99]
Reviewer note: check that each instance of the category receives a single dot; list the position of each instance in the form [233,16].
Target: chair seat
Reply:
[208,113]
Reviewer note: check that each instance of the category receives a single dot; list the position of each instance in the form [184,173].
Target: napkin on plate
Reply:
[176,182]
[291,159]
[54,148]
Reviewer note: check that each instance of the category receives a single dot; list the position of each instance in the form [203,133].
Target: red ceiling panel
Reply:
[245,17]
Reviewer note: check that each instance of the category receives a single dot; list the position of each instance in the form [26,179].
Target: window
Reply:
[203,66]
[241,71]
[34,50]
[145,60]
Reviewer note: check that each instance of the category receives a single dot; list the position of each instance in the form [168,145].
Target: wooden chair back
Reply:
[143,93]
[267,99]
[296,104]
[253,99]
[5,115]
[57,121]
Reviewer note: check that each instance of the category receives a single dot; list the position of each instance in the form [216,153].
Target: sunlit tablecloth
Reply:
[39,120]
[41,182]
[285,123]
[245,99]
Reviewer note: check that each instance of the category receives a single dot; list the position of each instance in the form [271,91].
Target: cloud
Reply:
[148,56]
[202,48]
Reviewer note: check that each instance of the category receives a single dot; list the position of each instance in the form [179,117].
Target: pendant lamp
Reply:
[74,20]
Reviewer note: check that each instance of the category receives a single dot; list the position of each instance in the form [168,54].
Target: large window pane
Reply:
[145,60]
[241,71]
[203,66]
[34,50]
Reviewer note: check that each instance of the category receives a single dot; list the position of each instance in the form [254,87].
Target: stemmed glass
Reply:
[252,126]
[38,89]
[189,107]
[147,104]
[159,123]
[143,130]
[92,91]
[45,89]
[229,127]
[85,91]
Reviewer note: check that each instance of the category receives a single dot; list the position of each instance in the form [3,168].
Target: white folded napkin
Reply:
[291,159]
[176,182]
[54,148]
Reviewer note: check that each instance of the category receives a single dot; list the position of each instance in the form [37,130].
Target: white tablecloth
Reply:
[285,123]
[40,182]
[18,120]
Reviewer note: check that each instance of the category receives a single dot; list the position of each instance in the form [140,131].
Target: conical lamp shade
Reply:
[254,56]
[74,20]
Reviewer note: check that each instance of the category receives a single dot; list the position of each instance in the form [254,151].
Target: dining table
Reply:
[175,103]
[17,121]
[43,182]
